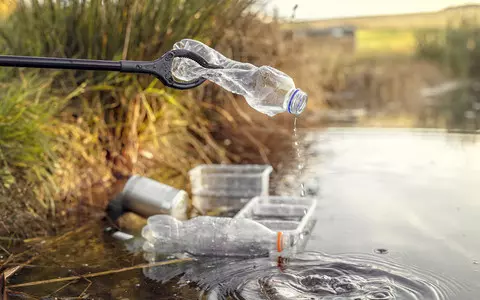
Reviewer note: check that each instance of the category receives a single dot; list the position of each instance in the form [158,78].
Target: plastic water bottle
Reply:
[214,236]
[266,89]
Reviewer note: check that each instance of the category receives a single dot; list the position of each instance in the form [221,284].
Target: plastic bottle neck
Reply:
[284,244]
[296,101]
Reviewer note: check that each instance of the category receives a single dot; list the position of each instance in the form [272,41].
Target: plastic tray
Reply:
[293,216]
[230,180]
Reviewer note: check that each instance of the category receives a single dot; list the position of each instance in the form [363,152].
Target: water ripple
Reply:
[310,276]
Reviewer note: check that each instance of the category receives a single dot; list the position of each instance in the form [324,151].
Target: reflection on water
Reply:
[310,276]
[412,193]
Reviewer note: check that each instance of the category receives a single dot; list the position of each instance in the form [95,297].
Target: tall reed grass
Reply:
[137,30]
[27,110]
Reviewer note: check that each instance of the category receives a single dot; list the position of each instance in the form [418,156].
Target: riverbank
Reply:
[69,138]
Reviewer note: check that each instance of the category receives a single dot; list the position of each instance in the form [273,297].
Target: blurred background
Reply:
[68,138]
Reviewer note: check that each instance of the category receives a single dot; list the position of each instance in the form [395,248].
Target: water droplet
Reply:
[381,251]
[137,285]
[475,262]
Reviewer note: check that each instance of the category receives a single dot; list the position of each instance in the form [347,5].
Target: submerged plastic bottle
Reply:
[206,235]
[266,89]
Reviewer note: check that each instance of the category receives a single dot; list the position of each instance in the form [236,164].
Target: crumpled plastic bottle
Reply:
[266,89]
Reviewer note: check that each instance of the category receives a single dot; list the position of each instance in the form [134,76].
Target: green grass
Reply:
[437,19]
[456,49]
[26,109]
[29,112]
[375,41]
[116,29]
[112,29]
[394,34]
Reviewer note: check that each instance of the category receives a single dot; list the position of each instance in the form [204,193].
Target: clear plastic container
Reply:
[294,216]
[230,180]
[219,205]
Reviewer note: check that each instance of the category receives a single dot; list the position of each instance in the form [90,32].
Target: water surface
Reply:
[413,194]
[397,218]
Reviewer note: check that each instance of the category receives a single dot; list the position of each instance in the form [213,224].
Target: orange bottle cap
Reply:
[279,241]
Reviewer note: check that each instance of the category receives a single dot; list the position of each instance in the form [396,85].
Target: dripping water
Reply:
[299,158]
